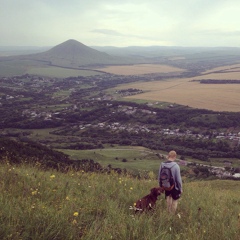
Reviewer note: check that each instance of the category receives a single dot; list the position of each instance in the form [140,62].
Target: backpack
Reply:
[166,179]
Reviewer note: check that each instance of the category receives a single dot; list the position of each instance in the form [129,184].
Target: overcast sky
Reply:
[120,22]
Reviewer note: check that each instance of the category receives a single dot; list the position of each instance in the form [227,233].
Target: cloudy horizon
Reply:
[192,23]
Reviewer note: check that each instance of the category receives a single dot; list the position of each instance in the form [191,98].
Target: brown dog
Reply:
[149,201]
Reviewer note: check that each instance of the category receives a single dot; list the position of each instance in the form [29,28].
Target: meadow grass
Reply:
[61,72]
[8,70]
[138,69]
[138,158]
[37,204]
[134,159]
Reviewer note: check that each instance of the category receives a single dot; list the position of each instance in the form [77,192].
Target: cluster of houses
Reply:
[132,110]
[47,116]
[137,128]
[220,172]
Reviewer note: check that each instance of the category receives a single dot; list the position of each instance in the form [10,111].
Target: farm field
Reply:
[139,69]
[227,68]
[61,72]
[131,158]
[138,159]
[217,97]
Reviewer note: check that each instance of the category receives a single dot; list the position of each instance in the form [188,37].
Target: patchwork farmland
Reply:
[185,91]
[139,69]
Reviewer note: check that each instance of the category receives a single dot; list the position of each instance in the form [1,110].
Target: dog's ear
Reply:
[155,191]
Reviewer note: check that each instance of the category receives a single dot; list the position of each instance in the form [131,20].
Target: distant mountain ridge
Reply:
[73,54]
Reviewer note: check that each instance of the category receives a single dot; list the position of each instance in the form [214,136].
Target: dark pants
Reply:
[174,193]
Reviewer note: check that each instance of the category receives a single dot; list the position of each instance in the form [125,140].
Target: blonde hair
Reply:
[172,154]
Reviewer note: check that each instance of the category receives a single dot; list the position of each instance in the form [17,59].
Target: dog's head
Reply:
[156,191]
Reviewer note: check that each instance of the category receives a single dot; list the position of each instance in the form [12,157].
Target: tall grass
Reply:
[36,204]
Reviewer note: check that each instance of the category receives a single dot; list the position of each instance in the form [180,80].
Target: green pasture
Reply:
[35,134]
[61,72]
[220,162]
[131,158]
[136,158]
[156,104]
[54,108]
[18,67]
[62,93]
[8,70]
[206,118]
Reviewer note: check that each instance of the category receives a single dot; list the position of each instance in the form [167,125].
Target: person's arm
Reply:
[178,178]
[159,174]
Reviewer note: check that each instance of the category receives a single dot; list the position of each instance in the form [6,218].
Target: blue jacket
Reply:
[175,169]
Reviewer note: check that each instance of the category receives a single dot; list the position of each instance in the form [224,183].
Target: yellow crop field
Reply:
[218,97]
[227,68]
[140,69]
[226,75]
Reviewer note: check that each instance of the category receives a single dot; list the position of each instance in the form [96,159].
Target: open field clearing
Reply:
[234,67]
[218,97]
[134,158]
[226,75]
[140,69]
[131,158]
[61,72]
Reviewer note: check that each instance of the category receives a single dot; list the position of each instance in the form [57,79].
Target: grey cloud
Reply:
[118,34]
[107,32]
[215,32]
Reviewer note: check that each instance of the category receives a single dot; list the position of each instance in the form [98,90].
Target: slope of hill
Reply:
[75,54]
[37,204]
[71,54]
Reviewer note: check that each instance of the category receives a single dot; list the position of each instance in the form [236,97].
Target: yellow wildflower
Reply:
[75,214]
[52,176]
[74,222]
[67,198]
[34,193]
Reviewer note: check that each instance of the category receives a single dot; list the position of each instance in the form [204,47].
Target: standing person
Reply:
[170,180]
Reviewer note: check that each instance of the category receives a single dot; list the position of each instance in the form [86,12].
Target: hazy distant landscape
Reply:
[80,81]
[184,65]
[93,97]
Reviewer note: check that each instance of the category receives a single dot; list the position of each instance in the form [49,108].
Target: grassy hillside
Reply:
[37,204]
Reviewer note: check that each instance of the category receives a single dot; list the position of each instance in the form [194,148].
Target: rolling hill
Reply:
[75,54]
[71,54]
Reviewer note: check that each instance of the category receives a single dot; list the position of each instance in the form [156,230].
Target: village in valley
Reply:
[86,107]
